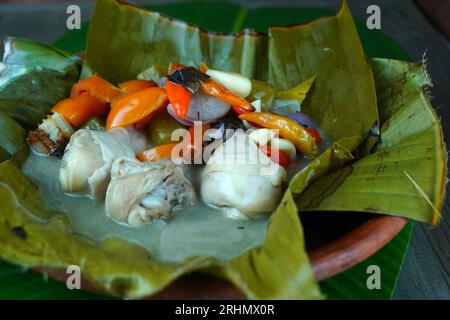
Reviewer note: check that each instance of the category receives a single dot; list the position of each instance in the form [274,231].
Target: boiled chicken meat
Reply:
[239,175]
[141,192]
[86,165]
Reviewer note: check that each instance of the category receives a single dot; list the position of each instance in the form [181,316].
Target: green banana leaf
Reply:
[406,173]
[343,99]
[12,134]
[25,52]
[299,92]
[160,40]
[352,284]
[33,77]
[4,155]
[279,268]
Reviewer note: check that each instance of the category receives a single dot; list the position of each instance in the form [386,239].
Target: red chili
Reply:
[215,89]
[179,97]
[282,159]
[315,135]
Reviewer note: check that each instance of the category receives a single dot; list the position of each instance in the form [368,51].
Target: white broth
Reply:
[198,230]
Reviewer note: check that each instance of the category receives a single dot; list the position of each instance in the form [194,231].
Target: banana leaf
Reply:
[21,51]
[157,39]
[406,173]
[33,77]
[343,99]
[12,134]
[125,269]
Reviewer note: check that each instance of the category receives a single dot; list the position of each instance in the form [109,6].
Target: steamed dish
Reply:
[150,149]
[144,169]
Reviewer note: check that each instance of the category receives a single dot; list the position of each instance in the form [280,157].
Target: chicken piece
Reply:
[141,192]
[240,176]
[86,165]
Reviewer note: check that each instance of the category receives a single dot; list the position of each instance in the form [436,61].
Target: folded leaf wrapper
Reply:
[406,174]
[33,78]
[124,40]
[343,99]
[12,135]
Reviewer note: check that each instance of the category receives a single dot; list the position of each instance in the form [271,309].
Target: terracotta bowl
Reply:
[335,242]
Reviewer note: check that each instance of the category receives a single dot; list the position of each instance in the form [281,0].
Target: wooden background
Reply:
[425,273]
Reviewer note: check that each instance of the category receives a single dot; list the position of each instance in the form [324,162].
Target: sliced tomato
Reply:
[315,135]
[276,156]
[179,97]
[132,108]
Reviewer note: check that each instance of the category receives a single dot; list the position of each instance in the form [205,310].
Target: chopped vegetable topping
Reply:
[156,153]
[284,145]
[193,142]
[276,156]
[262,137]
[173,66]
[79,109]
[189,77]
[234,82]
[315,134]
[137,106]
[96,87]
[215,89]
[160,128]
[288,129]
[179,98]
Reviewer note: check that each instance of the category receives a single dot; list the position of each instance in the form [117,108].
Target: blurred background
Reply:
[436,11]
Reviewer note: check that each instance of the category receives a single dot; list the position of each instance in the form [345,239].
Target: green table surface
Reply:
[19,283]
